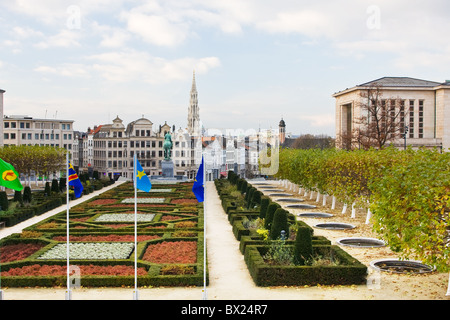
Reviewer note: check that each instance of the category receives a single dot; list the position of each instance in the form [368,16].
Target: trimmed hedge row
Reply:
[345,270]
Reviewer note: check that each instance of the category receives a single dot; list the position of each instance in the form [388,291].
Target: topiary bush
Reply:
[4,201]
[265,201]
[27,194]
[47,190]
[279,222]
[55,186]
[256,198]
[269,215]
[303,246]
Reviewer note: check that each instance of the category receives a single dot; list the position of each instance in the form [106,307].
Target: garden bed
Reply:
[169,249]
[348,270]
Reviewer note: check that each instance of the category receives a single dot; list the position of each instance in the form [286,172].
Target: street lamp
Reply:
[404,136]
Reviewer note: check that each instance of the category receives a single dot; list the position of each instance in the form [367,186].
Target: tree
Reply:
[309,141]
[381,121]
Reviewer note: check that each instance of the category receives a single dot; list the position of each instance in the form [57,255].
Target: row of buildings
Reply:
[109,149]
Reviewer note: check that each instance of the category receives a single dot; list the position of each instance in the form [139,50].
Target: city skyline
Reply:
[255,62]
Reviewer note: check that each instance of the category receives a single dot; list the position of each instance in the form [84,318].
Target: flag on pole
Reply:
[142,181]
[9,178]
[198,188]
[74,181]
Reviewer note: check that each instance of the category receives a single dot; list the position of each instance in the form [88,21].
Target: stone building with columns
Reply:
[425,107]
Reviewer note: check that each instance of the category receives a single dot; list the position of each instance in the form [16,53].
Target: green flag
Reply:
[9,178]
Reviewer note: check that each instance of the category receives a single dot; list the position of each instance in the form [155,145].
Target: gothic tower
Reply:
[282,131]
[193,114]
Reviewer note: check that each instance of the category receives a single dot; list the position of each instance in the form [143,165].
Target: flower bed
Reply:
[172,252]
[19,251]
[144,200]
[102,202]
[125,217]
[347,271]
[57,270]
[107,238]
[89,251]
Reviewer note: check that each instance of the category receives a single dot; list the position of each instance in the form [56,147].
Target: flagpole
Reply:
[204,295]
[135,293]
[68,291]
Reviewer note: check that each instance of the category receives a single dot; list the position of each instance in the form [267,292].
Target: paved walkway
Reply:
[228,274]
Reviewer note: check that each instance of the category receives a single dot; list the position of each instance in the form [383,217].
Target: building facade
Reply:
[424,110]
[24,130]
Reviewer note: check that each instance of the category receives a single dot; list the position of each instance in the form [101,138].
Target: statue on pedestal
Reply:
[167,146]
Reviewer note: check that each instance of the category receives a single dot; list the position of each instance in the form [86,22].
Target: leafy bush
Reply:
[265,201]
[4,204]
[269,215]
[279,223]
[303,246]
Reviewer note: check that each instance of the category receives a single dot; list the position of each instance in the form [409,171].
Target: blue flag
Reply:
[142,181]
[198,188]
[74,181]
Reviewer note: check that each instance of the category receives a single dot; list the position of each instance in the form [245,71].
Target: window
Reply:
[420,118]
[6,125]
[411,118]
[6,136]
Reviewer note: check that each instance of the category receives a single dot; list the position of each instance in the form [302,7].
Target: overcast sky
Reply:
[256,61]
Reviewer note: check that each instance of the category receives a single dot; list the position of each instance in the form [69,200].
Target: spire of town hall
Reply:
[193,114]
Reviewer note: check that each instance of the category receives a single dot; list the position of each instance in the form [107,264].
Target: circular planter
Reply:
[301,206]
[334,226]
[289,200]
[361,242]
[315,215]
[280,194]
[400,266]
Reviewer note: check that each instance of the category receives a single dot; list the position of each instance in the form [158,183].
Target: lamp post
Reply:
[404,136]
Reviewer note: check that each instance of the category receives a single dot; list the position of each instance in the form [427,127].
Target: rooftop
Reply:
[397,82]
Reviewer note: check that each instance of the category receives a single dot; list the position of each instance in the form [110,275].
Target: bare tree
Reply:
[381,120]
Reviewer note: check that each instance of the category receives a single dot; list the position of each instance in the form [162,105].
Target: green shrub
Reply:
[47,190]
[269,215]
[279,223]
[18,196]
[27,194]
[256,198]
[55,186]
[303,246]
[244,186]
[4,201]
[265,201]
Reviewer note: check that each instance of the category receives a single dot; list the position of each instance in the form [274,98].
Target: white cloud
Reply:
[157,30]
[134,65]
[66,38]
[320,120]
[65,70]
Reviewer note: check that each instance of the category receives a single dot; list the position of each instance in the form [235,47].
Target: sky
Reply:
[255,61]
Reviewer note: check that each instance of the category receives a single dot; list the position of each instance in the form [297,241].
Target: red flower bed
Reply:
[103,202]
[184,201]
[14,252]
[48,270]
[172,252]
[108,238]
[170,217]
[118,225]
